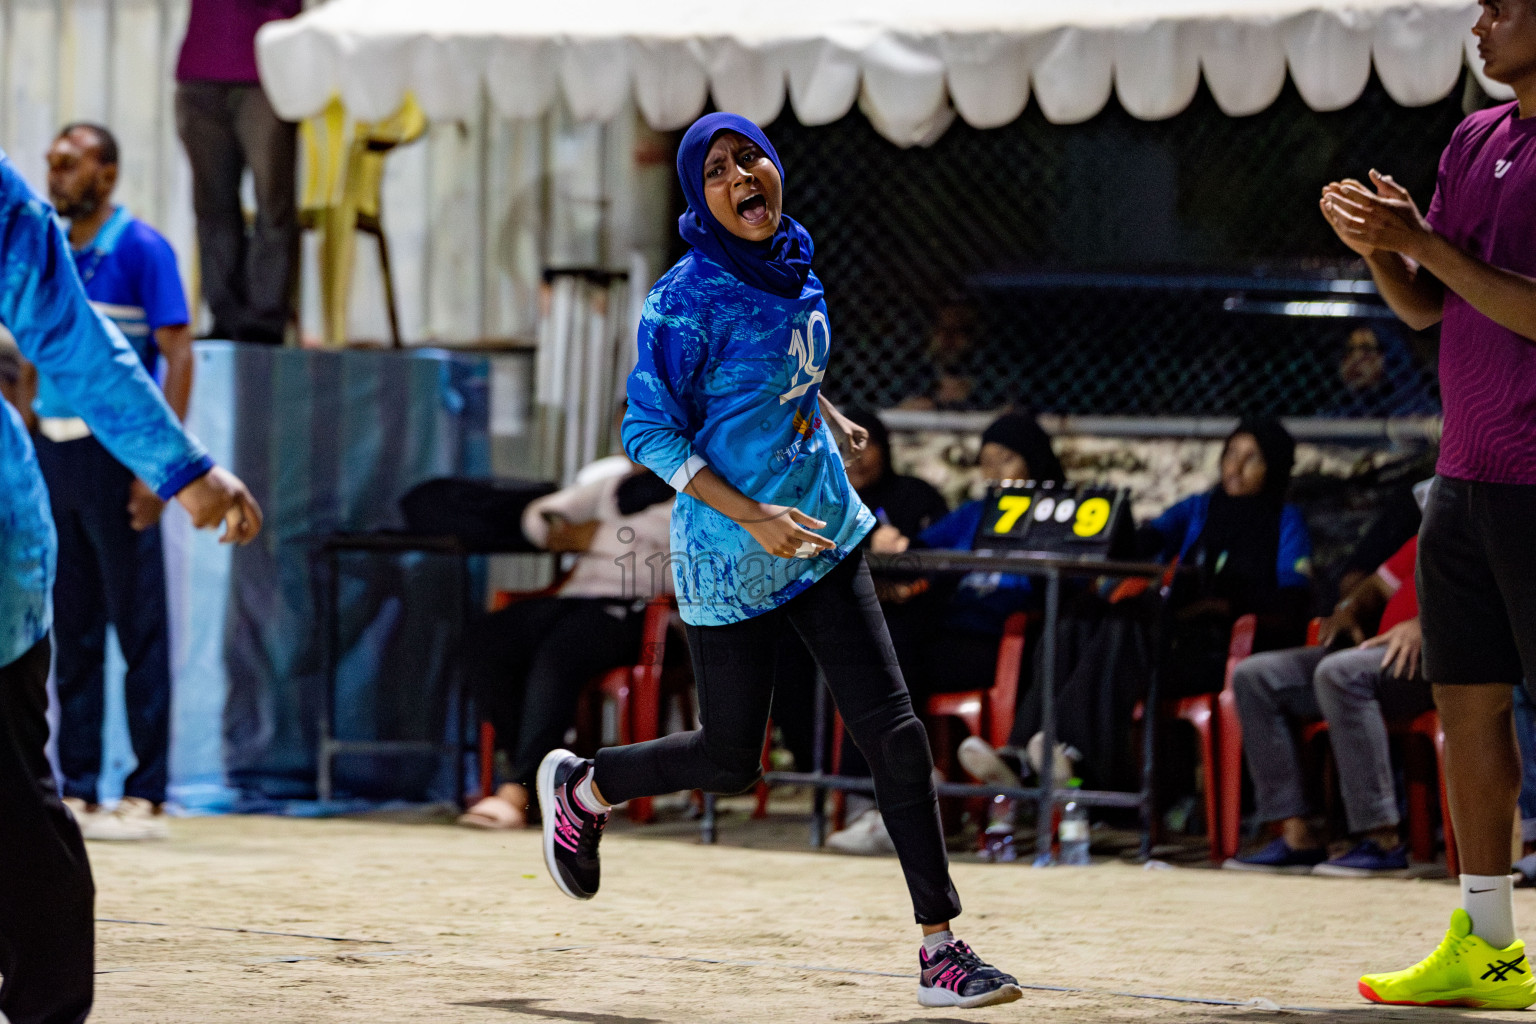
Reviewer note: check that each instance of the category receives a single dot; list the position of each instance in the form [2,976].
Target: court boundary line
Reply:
[242,931]
[1255,1003]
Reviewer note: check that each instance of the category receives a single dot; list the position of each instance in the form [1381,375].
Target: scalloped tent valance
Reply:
[911,65]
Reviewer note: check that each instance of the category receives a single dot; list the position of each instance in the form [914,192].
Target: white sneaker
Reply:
[981,762]
[865,834]
[133,819]
[1063,765]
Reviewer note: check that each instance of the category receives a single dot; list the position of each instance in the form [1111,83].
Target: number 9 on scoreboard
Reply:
[1092,517]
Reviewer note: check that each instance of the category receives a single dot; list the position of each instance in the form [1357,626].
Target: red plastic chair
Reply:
[636,691]
[986,713]
[1426,726]
[1213,716]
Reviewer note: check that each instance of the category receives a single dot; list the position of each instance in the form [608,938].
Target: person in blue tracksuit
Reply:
[46,894]
[725,405]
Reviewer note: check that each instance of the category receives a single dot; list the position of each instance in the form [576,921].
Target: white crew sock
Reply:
[931,943]
[593,805]
[1490,901]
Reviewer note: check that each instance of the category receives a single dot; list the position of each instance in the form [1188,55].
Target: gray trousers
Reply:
[1278,689]
[246,280]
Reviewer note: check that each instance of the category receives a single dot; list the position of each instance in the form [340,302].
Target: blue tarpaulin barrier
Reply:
[329,441]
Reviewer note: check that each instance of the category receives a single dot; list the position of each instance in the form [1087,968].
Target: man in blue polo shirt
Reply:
[111,566]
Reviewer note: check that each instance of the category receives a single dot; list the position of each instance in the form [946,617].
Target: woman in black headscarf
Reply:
[1250,550]
[1013,447]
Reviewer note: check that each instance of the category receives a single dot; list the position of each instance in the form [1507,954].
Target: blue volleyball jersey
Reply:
[728,376]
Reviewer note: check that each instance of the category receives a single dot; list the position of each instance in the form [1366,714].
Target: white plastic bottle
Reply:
[1072,834]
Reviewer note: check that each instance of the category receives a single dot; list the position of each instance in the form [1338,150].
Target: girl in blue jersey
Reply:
[724,404]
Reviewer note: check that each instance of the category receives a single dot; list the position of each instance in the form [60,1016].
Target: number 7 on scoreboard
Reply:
[1012,507]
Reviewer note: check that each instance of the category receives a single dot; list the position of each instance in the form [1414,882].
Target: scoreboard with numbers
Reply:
[1084,522]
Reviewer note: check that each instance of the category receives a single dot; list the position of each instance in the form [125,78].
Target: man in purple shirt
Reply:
[1470,265]
[226,125]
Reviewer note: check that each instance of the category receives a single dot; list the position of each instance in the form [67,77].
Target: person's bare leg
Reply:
[1387,837]
[1298,834]
[1482,772]
[1482,778]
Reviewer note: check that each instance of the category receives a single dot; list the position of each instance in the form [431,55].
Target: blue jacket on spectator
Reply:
[984,600]
[102,378]
[1181,525]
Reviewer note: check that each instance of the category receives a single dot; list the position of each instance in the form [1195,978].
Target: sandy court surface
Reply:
[437,923]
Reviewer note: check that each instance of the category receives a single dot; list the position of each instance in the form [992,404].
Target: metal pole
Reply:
[1399,429]
[818,761]
[1149,723]
[332,657]
[463,767]
[707,825]
[1047,805]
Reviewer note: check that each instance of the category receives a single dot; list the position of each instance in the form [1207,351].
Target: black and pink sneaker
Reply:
[955,976]
[571,832]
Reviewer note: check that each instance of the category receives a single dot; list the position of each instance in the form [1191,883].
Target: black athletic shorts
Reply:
[1477,582]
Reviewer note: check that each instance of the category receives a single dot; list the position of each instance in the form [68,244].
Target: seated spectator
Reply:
[959,649]
[908,506]
[1357,690]
[965,647]
[948,381]
[908,503]
[529,662]
[1013,447]
[1379,377]
[1236,533]
[1396,521]
[1250,552]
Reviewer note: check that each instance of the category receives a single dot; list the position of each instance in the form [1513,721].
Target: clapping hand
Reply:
[1385,220]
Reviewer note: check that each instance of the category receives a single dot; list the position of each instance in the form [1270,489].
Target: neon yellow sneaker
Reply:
[1463,971]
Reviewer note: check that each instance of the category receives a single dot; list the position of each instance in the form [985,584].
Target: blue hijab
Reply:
[779,264]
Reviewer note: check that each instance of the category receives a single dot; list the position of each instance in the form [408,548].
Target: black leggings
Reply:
[840,622]
[47,917]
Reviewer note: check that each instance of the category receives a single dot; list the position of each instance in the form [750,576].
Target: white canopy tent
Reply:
[912,65]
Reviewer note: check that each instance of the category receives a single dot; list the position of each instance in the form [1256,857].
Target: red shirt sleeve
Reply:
[1397,574]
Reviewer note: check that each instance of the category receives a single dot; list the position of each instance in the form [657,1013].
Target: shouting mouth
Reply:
[753,209]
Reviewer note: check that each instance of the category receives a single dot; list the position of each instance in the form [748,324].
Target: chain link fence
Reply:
[1115,267]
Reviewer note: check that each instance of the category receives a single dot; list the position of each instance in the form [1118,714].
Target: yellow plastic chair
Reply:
[342,195]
